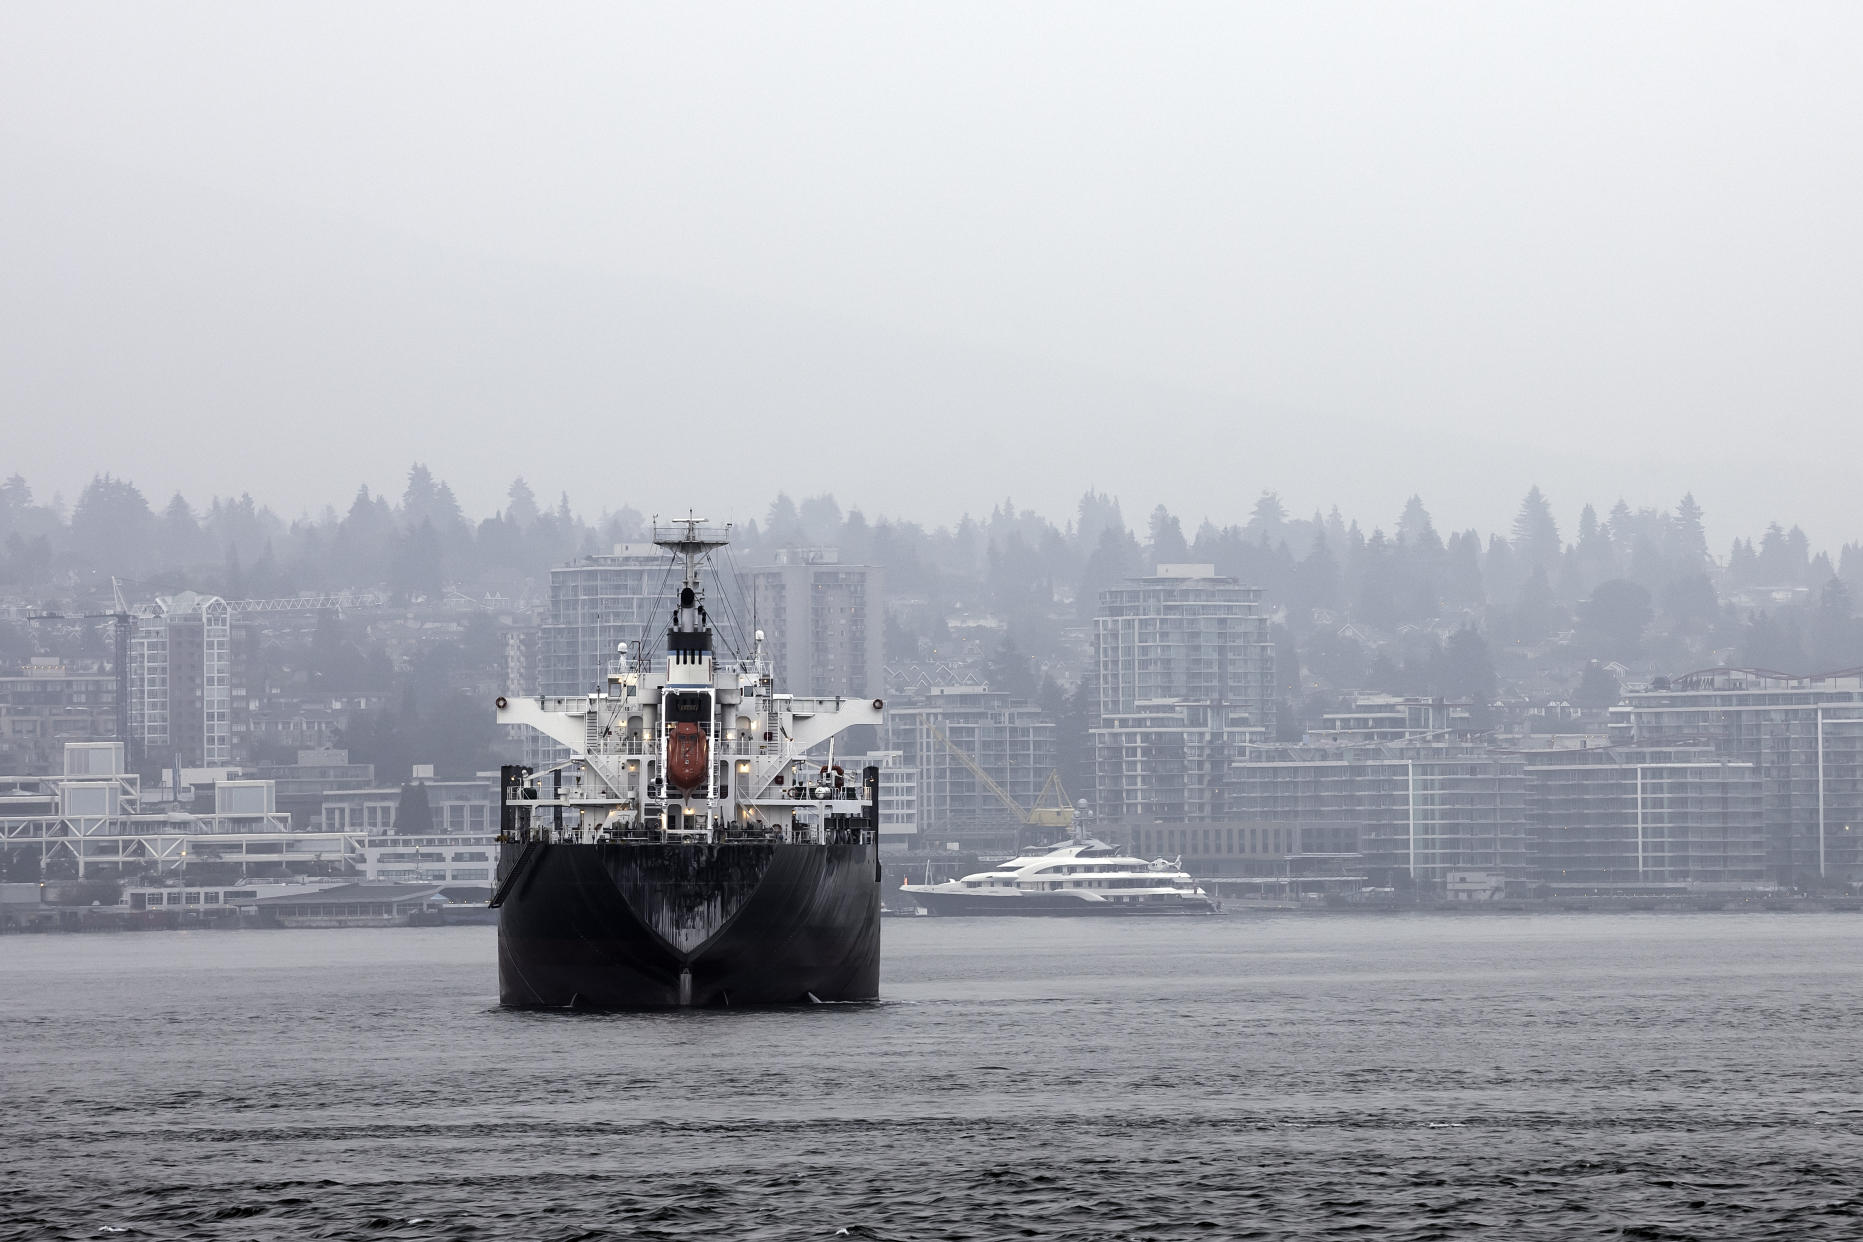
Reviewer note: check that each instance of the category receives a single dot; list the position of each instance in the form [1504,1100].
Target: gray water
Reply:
[1649,1076]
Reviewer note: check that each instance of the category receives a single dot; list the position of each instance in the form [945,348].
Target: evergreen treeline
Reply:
[237,548]
[1401,608]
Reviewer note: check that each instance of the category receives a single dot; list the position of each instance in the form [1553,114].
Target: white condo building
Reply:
[187,694]
[1185,666]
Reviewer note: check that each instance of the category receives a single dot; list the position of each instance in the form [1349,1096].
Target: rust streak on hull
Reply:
[744,923]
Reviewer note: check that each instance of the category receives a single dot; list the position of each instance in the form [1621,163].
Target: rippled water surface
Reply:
[1655,1076]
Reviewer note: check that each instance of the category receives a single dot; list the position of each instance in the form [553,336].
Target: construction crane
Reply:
[122,621]
[1044,815]
[338,601]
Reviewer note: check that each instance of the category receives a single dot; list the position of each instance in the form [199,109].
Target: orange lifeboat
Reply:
[688,756]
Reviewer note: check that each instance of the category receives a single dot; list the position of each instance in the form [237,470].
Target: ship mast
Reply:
[692,539]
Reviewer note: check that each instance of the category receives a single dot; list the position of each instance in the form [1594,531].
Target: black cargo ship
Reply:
[697,847]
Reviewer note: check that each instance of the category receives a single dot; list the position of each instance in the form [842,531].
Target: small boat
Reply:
[1075,878]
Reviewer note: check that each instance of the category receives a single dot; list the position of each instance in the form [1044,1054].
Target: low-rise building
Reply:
[185,898]
[303,785]
[21,906]
[1421,809]
[458,846]
[48,703]
[294,725]
[1285,860]
[1640,818]
[1393,718]
[469,859]
[91,816]
[456,807]
[1804,737]
[353,905]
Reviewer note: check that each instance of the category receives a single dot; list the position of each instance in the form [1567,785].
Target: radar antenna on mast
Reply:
[692,538]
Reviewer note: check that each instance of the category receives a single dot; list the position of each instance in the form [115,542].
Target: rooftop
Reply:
[359,892]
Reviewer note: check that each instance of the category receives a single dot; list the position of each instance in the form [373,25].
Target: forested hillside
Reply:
[1368,602]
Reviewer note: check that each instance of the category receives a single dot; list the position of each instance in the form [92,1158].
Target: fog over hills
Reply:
[216,345]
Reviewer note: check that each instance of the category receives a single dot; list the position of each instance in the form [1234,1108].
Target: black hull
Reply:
[1051,905]
[671,926]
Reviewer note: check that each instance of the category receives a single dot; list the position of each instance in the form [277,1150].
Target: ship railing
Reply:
[677,531]
[641,835]
[799,833]
[620,746]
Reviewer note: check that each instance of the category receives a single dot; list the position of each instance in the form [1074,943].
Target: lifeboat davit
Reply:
[688,756]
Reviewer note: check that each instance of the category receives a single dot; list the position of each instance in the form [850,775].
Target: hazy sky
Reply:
[927,257]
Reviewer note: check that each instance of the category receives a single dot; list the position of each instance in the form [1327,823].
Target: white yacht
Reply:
[1079,877]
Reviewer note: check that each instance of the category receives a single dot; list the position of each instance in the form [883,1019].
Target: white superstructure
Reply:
[683,747]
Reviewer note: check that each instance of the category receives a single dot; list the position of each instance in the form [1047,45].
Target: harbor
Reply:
[1430,1061]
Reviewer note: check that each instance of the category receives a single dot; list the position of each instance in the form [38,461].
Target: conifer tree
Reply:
[413,814]
[1415,527]
[1167,540]
[1462,580]
[1597,688]
[1692,535]
[1265,522]
[1536,534]
[521,506]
